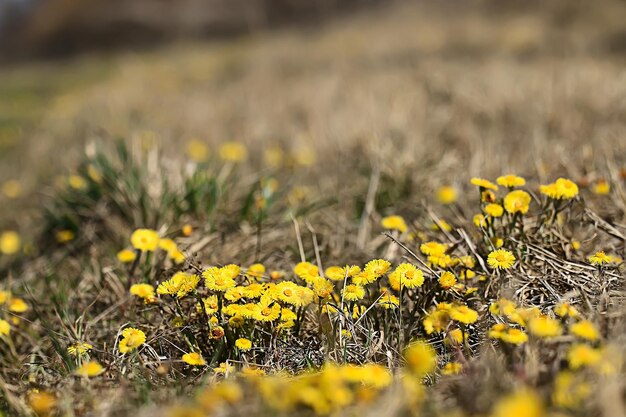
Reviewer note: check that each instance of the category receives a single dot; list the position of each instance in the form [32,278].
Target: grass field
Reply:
[319,221]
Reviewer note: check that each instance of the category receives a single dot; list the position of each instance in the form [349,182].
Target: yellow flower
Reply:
[565,310]
[544,326]
[511,181]
[194,359]
[494,210]
[394,223]
[266,311]
[600,258]
[421,358]
[77,182]
[447,280]
[179,285]
[501,259]
[94,174]
[566,189]
[389,301]
[306,270]
[43,403]
[407,275]
[487,196]
[145,240]
[569,390]
[243,344]
[197,150]
[126,256]
[89,369]
[79,349]
[441,225]
[220,279]
[575,244]
[255,271]
[274,157]
[549,190]
[484,184]
[64,236]
[446,194]
[168,245]
[585,330]
[523,403]
[337,273]
[145,291]
[497,242]
[10,242]
[377,268]
[433,248]
[581,355]
[5,328]
[187,230]
[17,305]
[12,188]
[131,339]
[601,187]
[517,201]
[233,152]
[452,368]
[353,292]
[514,336]
[463,314]
[479,220]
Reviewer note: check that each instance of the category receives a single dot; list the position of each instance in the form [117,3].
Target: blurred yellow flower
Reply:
[581,355]
[544,326]
[463,314]
[89,369]
[484,184]
[79,349]
[601,187]
[446,194]
[452,368]
[194,359]
[145,291]
[10,242]
[64,236]
[394,223]
[77,182]
[421,358]
[197,150]
[5,328]
[126,255]
[433,248]
[585,330]
[17,305]
[43,403]
[233,152]
[494,210]
[12,188]
[145,240]
[523,403]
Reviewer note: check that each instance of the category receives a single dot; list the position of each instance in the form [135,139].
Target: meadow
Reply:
[360,218]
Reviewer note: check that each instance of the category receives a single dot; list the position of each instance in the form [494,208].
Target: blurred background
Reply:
[460,88]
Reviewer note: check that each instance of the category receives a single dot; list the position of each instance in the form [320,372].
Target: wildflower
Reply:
[377,267]
[446,194]
[585,330]
[479,220]
[447,280]
[224,368]
[131,339]
[569,390]
[43,403]
[575,244]
[452,368]
[12,188]
[243,344]
[274,157]
[487,196]
[219,279]
[168,245]
[187,230]
[511,181]
[266,311]
[254,290]
[421,358]
[463,314]
[323,287]
[126,256]
[233,152]
[565,310]
[5,328]
[517,201]
[10,242]
[145,240]
[77,182]
[433,248]
[566,189]
[194,359]
[255,271]
[304,156]
[94,174]
[336,273]
[216,332]
[494,210]
[197,150]
[145,291]
[601,187]
[306,271]
[179,285]
[64,236]
[437,320]
[484,184]
[89,369]
[394,223]
[441,224]
[291,293]
[389,301]
[408,276]
[523,403]
[599,258]
[544,326]
[514,336]
[17,305]
[501,259]
[79,349]
[581,355]
[353,292]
